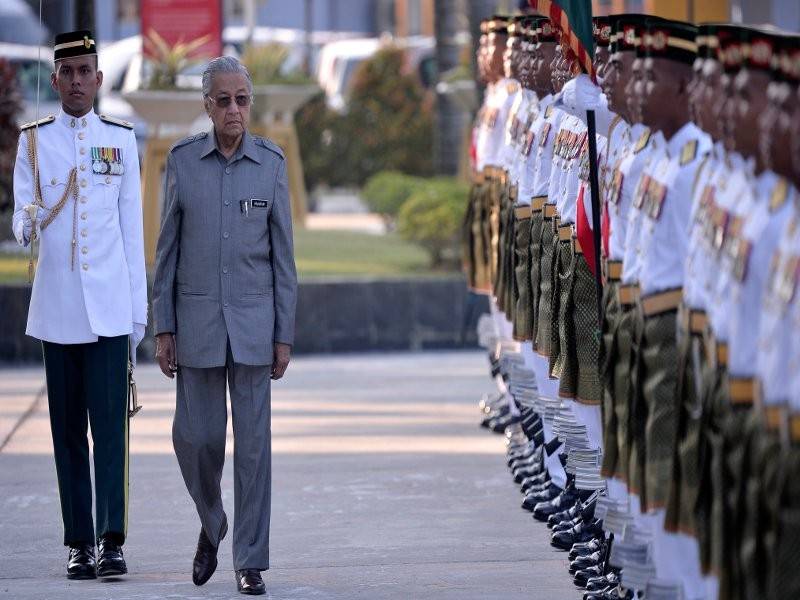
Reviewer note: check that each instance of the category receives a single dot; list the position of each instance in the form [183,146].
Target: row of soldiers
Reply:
[667,417]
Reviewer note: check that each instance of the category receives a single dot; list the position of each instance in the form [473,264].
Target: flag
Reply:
[574,17]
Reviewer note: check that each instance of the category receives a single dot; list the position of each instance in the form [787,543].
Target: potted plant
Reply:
[277,94]
[162,102]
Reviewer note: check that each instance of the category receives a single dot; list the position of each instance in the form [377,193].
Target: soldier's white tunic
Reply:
[104,291]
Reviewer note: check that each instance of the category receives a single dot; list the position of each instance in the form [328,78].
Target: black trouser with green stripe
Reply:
[90,380]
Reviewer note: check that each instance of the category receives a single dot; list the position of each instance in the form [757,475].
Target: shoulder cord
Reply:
[71,190]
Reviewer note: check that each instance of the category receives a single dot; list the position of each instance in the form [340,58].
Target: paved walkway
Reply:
[384,488]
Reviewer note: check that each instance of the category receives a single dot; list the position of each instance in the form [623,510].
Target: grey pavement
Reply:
[384,488]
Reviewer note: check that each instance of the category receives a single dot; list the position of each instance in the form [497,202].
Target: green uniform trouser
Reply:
[90,380]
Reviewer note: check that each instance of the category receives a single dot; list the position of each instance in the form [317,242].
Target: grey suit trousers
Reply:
[198,435]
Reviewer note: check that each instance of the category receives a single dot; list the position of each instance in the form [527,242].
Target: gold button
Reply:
[83,216]
[108,179]
[53,181]
[81,135]
[83,183]
[83,166]
[83,233]
[85,267]
[82,151]
[84,250]
[83,199]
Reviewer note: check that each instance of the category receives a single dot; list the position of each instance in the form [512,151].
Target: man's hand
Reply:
[283,353]
[581,93]
[166,355]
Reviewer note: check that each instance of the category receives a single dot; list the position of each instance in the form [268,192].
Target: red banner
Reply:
[184,21]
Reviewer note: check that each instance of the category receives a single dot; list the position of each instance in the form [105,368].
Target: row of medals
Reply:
[103,167]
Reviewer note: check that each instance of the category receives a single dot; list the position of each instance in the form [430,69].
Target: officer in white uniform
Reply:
[77,193]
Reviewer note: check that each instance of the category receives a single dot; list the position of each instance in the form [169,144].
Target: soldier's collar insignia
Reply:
[688,152]
[779,195]
[641,143]
[548,111]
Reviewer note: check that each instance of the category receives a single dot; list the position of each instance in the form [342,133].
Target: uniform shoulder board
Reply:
[269,145]
[115,121]
[45,121]
[688,152]
[188,140]
[779,195]
[642,141]
[512,87]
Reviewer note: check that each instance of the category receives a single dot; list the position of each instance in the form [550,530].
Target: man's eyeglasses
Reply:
[225,101]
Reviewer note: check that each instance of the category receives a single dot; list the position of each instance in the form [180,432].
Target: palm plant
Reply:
[169,60]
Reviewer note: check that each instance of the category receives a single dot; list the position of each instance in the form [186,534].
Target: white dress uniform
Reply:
[777,331]
[99,286]
[730,203]
[649,148]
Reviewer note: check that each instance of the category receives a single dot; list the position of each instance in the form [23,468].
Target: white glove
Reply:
[580,93]
[24,226]
[136,337]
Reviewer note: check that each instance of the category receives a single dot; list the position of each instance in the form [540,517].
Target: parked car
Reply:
[30,62]
[20,25]
[339,60]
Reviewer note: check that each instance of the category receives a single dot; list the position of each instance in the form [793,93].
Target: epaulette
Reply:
[115,121]
[688,152]
[779,195]
[44,121]
[269,145]
[642,142]
[189,139]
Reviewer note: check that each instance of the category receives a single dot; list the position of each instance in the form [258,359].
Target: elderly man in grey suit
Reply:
[224,301]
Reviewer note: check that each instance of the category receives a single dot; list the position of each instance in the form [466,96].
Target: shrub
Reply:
[385,192]
[432,218]
[388,126]
[10,108]
[390,117]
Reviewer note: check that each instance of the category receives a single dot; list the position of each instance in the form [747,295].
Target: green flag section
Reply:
[574,17]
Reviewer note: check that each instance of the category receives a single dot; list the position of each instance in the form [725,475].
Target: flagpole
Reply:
[595,189]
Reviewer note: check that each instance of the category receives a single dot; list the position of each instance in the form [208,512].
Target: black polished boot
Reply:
[81,563]
[582,532]
[585,548]
[532,499]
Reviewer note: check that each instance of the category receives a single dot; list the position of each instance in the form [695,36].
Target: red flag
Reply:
[584,232]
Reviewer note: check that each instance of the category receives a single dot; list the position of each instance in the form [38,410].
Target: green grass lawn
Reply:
[318,254]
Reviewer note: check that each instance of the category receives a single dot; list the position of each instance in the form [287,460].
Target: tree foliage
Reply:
[388,126]
[432,217]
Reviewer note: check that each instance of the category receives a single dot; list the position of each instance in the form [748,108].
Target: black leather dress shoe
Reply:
[582,532]
[534,481]
[248,581]
[565,525]
[563,501]
[589,547]
[584,562]
[582,576]
[81,563]
[532,499]
[606,594]
[110,561]
[565,515]
[597,584]
[205,557]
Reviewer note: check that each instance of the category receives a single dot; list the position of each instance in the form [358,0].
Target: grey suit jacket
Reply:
[225,269]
